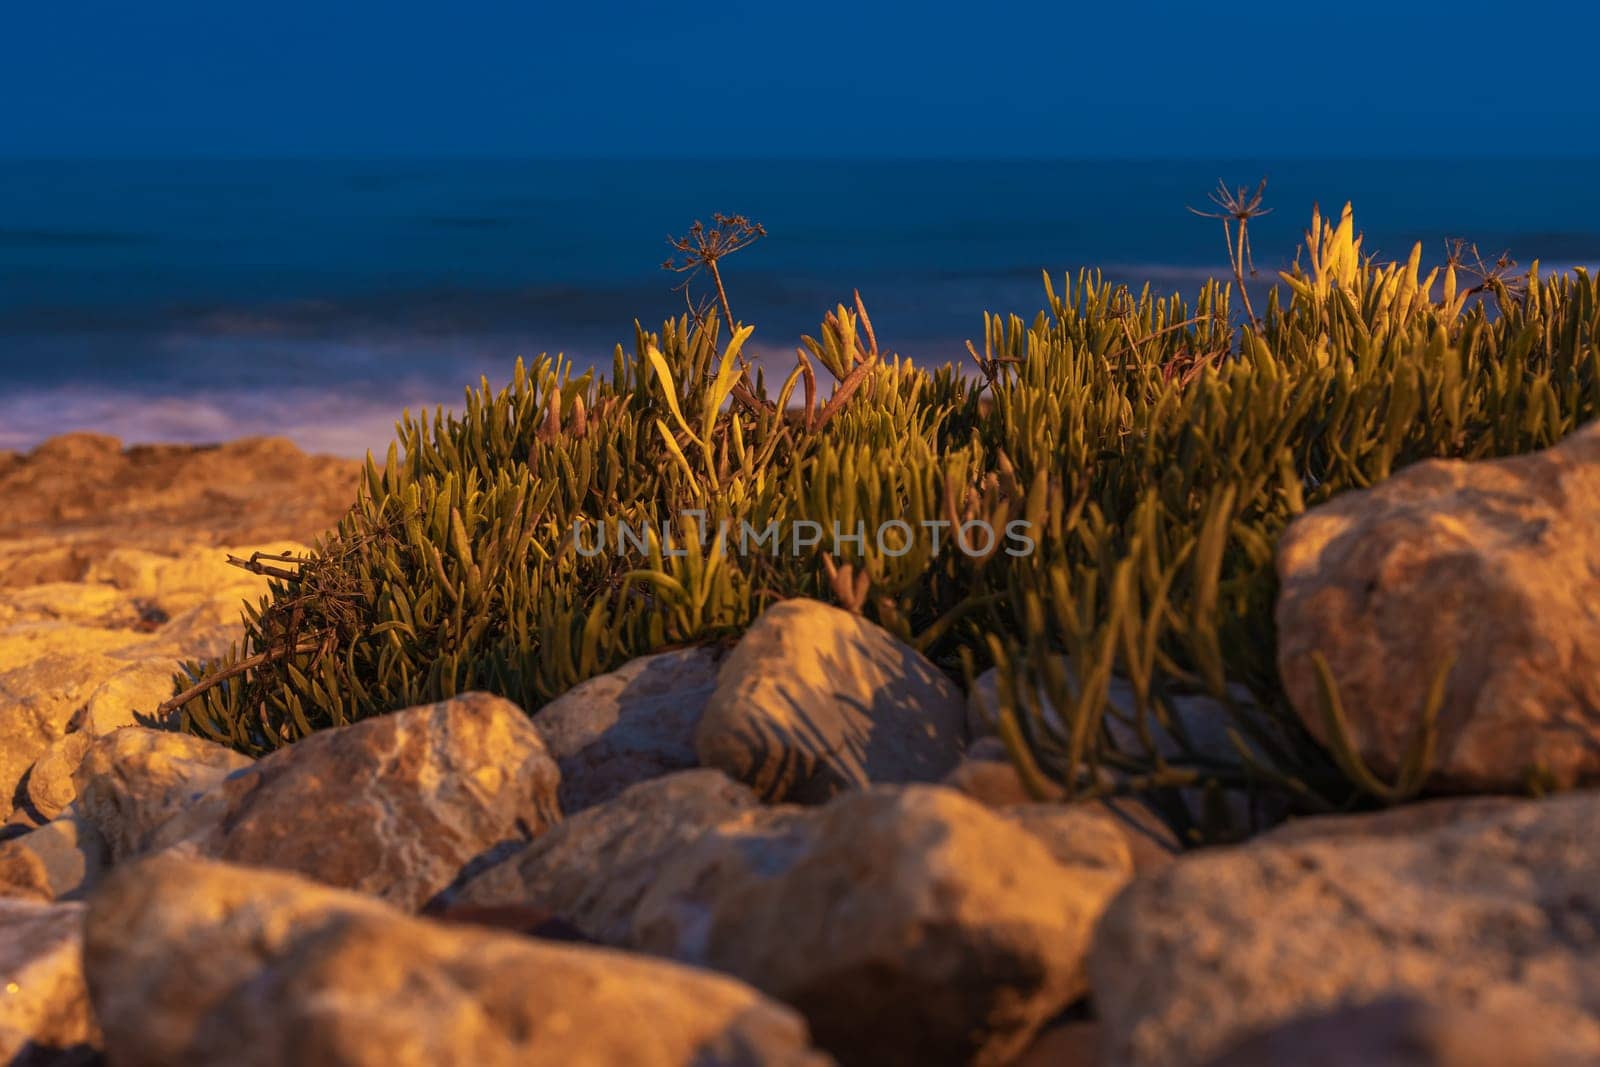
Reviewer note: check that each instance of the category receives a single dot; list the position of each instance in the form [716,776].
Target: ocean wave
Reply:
[318,420]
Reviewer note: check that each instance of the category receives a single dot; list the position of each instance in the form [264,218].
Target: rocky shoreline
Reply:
[806,849]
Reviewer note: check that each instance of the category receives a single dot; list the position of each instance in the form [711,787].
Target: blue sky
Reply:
[360,78]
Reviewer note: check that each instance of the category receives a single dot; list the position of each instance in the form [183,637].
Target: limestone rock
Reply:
[131,781]
[1078,836]
[987,775]
[1402,821]
[1496,914]
[22,873]
[595,867]
[137,689]
[1498,558]
[395,805]
[908,924]
[61,860]
[48,785]
[44,1007]
[85,656]
[204,963]
[37,700]
[814,700]
[630,725]
[75,497]
[1404,1031]
[1072,1044]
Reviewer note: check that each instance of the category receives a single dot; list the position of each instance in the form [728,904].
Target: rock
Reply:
[22,873]
[1494,914]
[1073,1044]
[137,689]
[61,860]
[203,963]
[37,699]
[909,924]
[44,1008]
[986,775]
[84,657]
[517,918]
[628,726]
[133,780]
[814,700]
[75,498]
[1500,558]
[1079,836]
[1405,820]
[595,867]
[48,785]
[1402,1031]
[394,806]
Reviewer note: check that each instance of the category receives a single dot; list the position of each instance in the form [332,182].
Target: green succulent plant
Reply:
[1156,448]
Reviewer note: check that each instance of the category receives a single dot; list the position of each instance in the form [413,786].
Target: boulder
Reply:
[76,497]
[38,698]
[814,700]
[1401,1031]
[1499,557]
[135,690]
[595,867]
[909,924]
[395,806]
[633,724]
[205,963]
[44,1007]
[1497,913]
[986,775]
[1079,836]
[1403,821]
[47,788]
[85,656]
[61,860]
[23,875]
[1071,1044]
[131,781]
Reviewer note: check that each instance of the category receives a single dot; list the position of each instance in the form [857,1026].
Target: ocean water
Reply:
[201,300]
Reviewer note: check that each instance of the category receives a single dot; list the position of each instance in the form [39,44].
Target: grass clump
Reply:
[1156,447]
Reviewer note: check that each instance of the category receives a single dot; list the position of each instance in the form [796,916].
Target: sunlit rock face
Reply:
[1489,570]
[114,568]
[78,496]
[208,963]
[86,657]
[395,806]
[814,700]
[45,1016]
[628,726]
[910,924]
[1465,907]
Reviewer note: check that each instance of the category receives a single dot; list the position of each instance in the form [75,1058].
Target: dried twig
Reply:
[1238,205]
[701,249]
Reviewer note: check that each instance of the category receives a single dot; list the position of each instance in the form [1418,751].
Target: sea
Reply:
[202,300]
